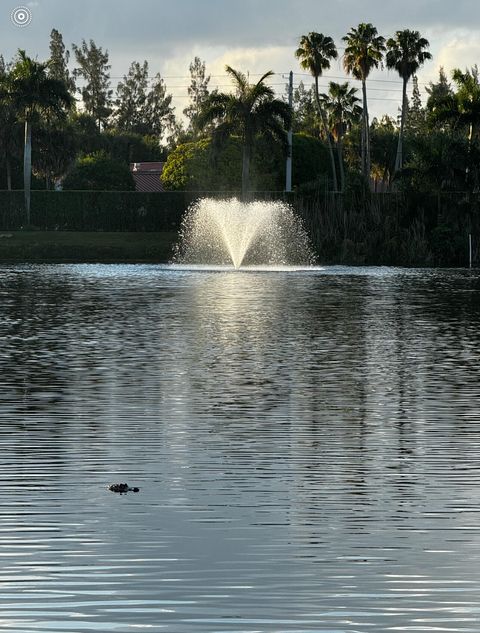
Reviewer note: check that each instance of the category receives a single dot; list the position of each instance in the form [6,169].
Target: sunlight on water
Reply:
[306,446]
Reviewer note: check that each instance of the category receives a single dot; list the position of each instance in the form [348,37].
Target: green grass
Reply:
[71,246]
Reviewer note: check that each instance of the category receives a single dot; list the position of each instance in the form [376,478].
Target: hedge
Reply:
[394,228]
[102,210]
[95,210]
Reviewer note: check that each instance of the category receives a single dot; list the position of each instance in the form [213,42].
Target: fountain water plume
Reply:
[231,232]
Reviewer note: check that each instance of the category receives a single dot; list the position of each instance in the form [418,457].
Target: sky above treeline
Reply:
[252,35]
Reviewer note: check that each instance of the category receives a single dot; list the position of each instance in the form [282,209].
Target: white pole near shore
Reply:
[469,250]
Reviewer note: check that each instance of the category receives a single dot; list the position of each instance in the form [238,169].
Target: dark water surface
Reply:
[307,447]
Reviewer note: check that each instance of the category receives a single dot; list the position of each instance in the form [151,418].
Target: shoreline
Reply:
[118,247]
[75,247]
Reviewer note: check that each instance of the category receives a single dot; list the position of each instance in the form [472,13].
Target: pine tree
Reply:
[59,58]
[440,89]
[131,101]
[144,110]
[415,121]
[441,107]
[94,69]
[305,116]
[159,112]
[198,93]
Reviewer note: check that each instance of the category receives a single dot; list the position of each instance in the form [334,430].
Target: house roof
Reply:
[147,176]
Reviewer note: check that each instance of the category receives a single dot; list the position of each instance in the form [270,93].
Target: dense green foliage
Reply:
[197,166]
[204,166]
[99,172]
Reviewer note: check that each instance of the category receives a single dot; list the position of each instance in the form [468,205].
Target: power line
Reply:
[297,74]
[395,88]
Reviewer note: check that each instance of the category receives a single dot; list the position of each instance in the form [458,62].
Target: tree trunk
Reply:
[469,157]
[9,172]
[340,162]
[399,157]
[366,135]
[27,167]
[247,150]
[327,135]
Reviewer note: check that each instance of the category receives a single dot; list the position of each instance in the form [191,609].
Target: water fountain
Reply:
[234,233]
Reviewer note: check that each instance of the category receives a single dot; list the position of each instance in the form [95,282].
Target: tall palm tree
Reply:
[363,52]
[405,54]
[33,94]
[251,111]
[315,52]
[341,106]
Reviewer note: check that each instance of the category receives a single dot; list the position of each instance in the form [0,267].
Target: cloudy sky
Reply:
[252,35]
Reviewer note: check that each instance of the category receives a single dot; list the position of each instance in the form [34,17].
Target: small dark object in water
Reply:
[122,488]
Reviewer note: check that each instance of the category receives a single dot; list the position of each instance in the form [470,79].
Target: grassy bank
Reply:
[72,246]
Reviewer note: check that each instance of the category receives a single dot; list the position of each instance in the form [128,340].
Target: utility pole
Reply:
[288,179]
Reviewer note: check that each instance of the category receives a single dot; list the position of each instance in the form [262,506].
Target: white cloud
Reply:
[254,35]
[462,50]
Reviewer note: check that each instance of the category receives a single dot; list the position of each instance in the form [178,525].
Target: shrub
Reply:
[99,172]
[201,166]
[204,166]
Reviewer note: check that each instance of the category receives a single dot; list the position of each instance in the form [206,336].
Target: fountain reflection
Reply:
[306,444]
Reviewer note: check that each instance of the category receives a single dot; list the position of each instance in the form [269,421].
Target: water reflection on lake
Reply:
[307,447]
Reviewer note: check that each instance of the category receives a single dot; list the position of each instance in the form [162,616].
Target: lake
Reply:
[307,447]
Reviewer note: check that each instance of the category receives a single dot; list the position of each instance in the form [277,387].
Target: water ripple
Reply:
[306,446]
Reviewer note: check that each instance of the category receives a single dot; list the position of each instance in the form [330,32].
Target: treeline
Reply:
[84,131]
[77,114]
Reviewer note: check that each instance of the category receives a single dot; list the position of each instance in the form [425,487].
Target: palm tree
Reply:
[253,110]
[315,51]
[341,106]
[406,53]
[364,51]
[33,93]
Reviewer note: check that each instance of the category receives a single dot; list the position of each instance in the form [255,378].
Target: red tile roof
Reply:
[147,176]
